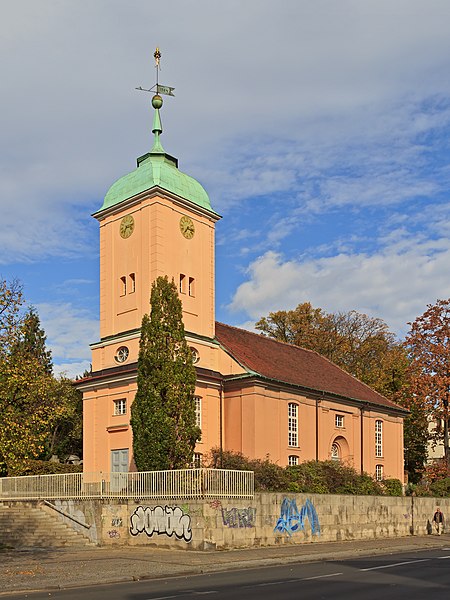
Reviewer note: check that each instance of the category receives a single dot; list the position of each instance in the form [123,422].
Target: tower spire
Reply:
[157,103]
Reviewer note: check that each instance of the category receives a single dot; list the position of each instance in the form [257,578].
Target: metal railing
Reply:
[182,484]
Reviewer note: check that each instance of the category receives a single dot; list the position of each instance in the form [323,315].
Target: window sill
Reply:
[122,427]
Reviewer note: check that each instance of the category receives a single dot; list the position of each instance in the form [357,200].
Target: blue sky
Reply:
[320,130]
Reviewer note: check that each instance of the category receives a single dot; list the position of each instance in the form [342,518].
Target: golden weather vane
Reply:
[157,88]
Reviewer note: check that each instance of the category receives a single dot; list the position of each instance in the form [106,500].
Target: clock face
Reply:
[187,227]
[126,226]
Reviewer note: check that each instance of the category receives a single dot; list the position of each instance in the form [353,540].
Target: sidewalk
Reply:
[47,569]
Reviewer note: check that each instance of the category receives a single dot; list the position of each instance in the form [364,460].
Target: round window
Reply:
[122,354]
[195,355]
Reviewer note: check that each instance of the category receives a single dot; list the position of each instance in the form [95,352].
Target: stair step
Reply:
[28,525]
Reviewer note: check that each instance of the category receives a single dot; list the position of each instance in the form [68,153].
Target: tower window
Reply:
[191,286]
[121,354]
[182,283]
[132,283]
[123,286]
[120,407]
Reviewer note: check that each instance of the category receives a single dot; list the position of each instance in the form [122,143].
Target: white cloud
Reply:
[395,284]
[69,331]
[333,106]
[71,370]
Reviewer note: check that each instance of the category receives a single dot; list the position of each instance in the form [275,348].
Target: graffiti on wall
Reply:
[113,534]
[116,522]
[165,520]
[239,517]
[292,519]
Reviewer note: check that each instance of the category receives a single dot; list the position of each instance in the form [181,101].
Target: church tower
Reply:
[154,221]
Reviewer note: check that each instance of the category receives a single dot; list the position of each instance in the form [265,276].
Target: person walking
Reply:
[438,520]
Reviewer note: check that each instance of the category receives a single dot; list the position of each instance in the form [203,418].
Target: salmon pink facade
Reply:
[253,395]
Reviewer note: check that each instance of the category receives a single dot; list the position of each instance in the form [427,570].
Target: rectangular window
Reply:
[132,283]
[123,286]
[293,424]
[120,407]
[191,286]
[339,421]
[197,460]
[182,283]
[198,411]
[379,472]
[292,460]
[378,438]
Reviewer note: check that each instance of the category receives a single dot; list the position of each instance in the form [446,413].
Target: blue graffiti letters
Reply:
[292,520]
[162,521]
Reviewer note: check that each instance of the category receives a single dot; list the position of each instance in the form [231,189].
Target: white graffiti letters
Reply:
[162,521]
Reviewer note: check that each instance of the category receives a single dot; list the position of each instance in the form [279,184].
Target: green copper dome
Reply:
[156,168]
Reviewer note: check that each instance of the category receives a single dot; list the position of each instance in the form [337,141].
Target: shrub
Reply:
[440,488]
[269,477]
[392,487]
[311,477]
[227,460]
[45,467]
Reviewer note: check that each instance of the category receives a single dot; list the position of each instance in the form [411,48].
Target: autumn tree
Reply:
[38,412]
[428,344]
[26,399]
[361,345]
[65,430]
[11,300]
[163,411]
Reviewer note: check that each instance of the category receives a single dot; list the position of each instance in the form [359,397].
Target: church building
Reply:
[253,394]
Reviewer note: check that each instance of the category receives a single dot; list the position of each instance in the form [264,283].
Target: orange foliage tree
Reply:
[428,345]
[361,345]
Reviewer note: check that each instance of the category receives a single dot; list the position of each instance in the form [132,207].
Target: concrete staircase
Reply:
[25,525]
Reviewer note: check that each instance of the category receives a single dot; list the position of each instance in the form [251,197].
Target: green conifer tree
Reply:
[32,340]
[163,411]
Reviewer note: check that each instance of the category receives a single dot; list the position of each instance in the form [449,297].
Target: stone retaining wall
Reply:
[268,519]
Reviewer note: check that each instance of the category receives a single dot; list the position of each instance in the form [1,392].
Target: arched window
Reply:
[379,472]
[292,460]
[293,425]
[335,451]
[198,411]
[378,438]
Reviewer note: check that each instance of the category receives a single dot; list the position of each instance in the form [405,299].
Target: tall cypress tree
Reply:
[32,341]
[163,411]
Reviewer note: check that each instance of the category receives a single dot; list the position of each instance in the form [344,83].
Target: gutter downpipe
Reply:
[221,423]
[362,438]
[317,427]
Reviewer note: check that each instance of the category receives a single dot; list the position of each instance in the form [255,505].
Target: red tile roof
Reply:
[294,365]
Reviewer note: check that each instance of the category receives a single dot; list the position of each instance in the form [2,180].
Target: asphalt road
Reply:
[413,575]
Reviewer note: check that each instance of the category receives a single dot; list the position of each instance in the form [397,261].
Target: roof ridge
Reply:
[271,339]
[294,347]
